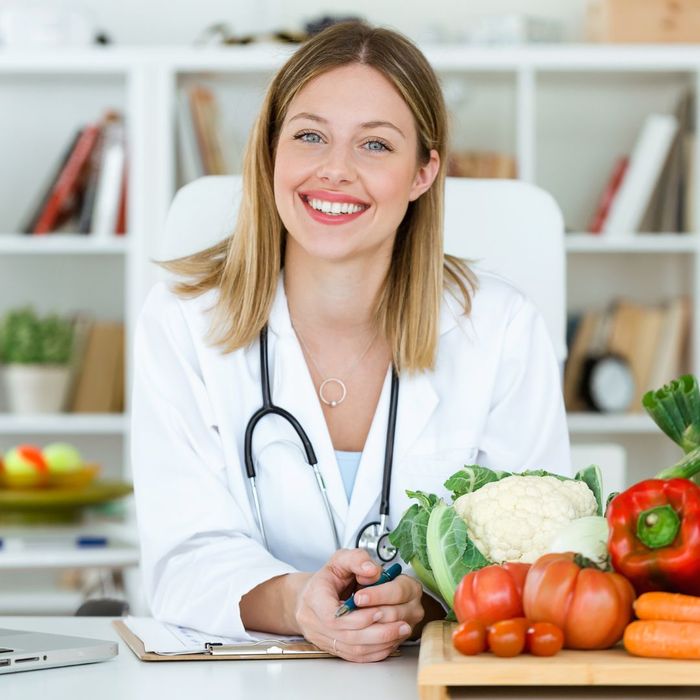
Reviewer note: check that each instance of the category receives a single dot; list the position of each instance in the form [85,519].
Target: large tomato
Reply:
[491,594]
[591,606]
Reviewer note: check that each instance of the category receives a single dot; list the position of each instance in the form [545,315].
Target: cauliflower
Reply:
[516,518]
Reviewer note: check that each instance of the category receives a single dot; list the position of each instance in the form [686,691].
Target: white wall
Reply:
[181,21]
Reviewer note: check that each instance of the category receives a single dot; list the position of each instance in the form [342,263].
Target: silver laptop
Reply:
[21,650]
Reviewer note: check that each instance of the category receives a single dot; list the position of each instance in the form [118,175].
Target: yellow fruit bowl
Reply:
[34,506]
[77,479]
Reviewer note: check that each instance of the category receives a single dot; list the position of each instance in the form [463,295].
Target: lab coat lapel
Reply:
[293,390]
[417,402]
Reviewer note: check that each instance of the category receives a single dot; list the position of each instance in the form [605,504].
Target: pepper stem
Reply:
[658,527]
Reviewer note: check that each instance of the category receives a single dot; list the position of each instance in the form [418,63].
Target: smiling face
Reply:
[347,147]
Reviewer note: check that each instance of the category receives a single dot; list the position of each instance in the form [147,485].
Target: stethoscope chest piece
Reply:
[374,539]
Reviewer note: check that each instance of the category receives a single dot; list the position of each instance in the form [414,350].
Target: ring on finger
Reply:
[335,651]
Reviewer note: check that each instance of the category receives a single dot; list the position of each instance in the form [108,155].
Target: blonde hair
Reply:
[245,267]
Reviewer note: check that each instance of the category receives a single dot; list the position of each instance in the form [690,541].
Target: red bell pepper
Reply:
[654,536]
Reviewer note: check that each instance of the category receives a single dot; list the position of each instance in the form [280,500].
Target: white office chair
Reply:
[509,227]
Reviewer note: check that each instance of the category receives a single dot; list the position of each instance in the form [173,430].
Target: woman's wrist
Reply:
[293,589]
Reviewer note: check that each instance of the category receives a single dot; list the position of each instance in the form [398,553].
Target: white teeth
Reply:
[335,208]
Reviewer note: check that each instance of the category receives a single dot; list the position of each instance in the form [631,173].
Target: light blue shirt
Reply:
[348,462]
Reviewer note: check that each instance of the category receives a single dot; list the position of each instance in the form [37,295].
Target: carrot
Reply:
[663,639]
[668,606]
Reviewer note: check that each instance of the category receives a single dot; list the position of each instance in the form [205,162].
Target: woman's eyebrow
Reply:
[365,125]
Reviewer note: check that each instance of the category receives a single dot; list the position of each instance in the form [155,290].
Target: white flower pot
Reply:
[36,388]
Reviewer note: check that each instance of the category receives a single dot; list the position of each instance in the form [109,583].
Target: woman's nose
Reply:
[336,166]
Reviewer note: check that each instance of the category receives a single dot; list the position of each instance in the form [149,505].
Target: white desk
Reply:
[127,678]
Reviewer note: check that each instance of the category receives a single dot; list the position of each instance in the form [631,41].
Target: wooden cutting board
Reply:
[440,665]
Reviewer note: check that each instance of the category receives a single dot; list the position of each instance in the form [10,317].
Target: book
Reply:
[673,342]
[30,223]
[117,399]
[635,334]
[68,182]
[608,194]
[582,345]
[206,126]
[646,162]
[689,185]
[664,213]
[190,161]
[111,175]
[95,390]
[82,326]
[481,164]
[92,178]
[123,199]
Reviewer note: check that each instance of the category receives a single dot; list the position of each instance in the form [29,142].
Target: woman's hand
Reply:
[385,616]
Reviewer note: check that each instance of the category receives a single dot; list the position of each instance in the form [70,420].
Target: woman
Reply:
[337,261]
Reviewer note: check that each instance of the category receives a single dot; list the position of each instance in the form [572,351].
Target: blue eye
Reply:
[306,133]
[382,145]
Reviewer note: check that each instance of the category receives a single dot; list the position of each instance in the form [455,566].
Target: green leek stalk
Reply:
[686,468]
[675,408]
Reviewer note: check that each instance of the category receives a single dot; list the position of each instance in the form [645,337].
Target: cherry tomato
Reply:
[469,637]
[544,639]
[507,637]
[492,593]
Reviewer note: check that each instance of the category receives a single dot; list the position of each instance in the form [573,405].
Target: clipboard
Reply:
[218,652]
[276,649]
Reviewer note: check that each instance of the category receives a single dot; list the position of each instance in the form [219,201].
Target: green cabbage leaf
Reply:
[450,551]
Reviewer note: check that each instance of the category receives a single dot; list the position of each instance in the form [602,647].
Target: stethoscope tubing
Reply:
[269,408]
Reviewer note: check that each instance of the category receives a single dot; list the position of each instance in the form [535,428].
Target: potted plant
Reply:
[36,353]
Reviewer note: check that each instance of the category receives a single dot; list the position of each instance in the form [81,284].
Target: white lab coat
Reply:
[493,399]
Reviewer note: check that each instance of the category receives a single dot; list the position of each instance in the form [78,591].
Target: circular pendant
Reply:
[343,390]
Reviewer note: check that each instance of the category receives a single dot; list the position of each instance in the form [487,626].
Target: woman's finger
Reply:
[362,653]
[378,633]
[348,565]
[412,612]
[400,590]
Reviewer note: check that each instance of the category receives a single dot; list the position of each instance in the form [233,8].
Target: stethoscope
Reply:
[374,536]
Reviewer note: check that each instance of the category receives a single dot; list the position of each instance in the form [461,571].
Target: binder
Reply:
[269,649]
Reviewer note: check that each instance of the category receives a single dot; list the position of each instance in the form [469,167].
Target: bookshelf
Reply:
[563,112]
[46,97]
[20,244]
[651,243]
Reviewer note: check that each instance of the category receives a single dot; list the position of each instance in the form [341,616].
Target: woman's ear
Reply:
[425,176]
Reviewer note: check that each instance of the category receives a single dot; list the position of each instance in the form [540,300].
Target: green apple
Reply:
[25,465]
[62,458]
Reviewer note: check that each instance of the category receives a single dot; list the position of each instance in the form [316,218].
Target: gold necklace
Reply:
[334,380]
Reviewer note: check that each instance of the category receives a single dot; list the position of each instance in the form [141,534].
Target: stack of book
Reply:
[97,366]
[201,150]
[653,339]
[481,164]
[87,190]
[651,189]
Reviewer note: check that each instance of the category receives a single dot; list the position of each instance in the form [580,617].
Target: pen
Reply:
[387,575]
